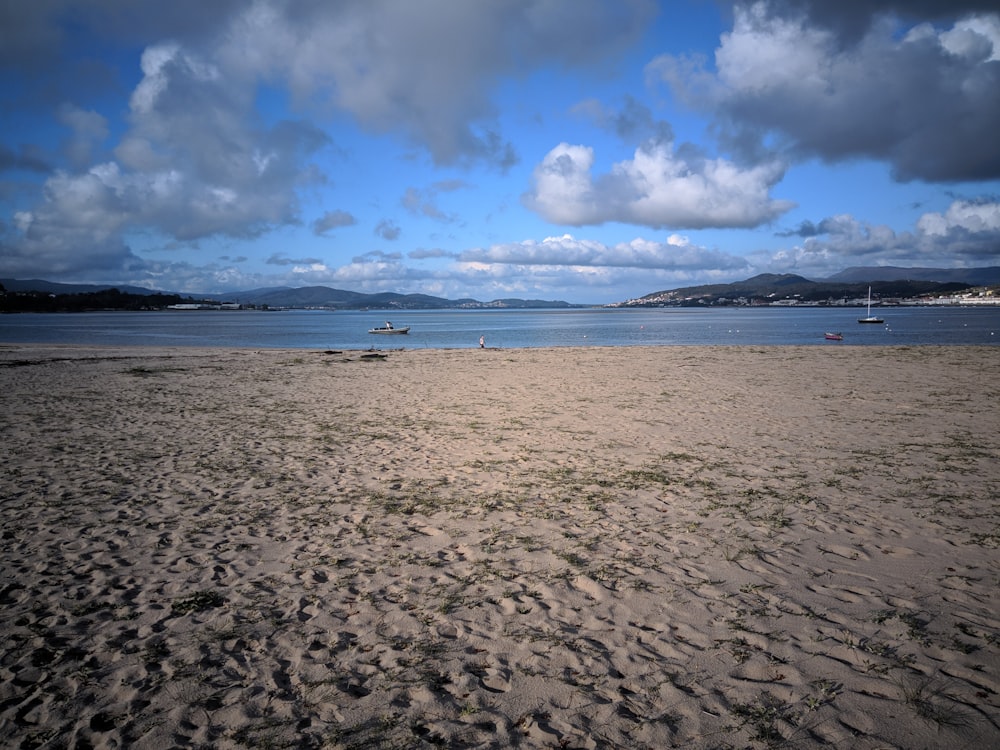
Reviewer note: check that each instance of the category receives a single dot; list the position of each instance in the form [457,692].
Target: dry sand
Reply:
[700,547]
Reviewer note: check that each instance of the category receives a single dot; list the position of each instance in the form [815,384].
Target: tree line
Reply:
[106,299]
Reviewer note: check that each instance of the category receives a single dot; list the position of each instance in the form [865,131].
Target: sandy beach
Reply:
[697,547]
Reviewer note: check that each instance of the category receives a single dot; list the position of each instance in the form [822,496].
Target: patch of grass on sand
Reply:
[931,699]
[197,602]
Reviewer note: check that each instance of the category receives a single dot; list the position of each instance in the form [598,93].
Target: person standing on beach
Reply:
[482,342]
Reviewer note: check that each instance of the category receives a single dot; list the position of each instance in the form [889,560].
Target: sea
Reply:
[510,329]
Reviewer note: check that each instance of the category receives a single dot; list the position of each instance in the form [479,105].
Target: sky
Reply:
[590,151]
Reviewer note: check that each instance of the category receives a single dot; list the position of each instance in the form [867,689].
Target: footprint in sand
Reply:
[496,679]
[307,610]
[848,553]
[452,554]
[447,630]
[426,530]
[898,551]
[510,606]
[353,686]
[590,587]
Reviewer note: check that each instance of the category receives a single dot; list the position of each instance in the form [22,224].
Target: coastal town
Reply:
[985,296]
[784,290]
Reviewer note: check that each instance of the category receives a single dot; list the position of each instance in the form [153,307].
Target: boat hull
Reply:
[389,331]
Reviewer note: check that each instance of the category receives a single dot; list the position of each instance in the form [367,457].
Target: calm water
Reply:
[448,329]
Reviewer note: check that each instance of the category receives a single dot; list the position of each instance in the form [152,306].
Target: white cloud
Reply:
[197,159]
[656,188]
[90,241]
[976,38]
[194,163]
[154,79]
[425,70]
[966,216]
[674,254]
[966,234]
[766,53]
[311,268]
[925,101]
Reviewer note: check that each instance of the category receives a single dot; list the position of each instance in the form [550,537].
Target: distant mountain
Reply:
[52,287]
[767,288]
[766,284]
[306,296]
[321,296]
[292,297]
[987,276]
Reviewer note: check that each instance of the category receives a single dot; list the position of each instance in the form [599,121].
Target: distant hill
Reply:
[774,287]
[322,296]
[52,287]
[306,296]
[851,283]
[291,297]
[987,276]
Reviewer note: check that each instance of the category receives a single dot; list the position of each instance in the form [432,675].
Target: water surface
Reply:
[447,329]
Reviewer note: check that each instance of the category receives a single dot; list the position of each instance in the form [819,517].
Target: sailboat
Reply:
[870,318]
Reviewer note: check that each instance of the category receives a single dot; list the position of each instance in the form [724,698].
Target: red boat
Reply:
[833,336]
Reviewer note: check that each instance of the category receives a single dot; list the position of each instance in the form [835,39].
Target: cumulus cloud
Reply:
[850,19]
[675,253]
[967,233]
[531,267]
[206,161]
[388,230]
[425,70]
[924,101]
[809,229]
[333,220]
[91,240]
[93,197]
[197,160]
[370,272]
[657,188]
[969,217]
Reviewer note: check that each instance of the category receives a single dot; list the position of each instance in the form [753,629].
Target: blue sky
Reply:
[584,150]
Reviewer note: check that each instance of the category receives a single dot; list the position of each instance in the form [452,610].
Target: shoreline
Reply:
[152,350]
[688,545]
